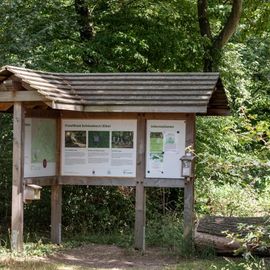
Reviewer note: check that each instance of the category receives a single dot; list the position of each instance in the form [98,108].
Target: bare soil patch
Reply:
[113,257]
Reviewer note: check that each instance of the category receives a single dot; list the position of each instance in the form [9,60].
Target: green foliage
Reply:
[247,265]
[244,169]
[100,209]
[5,170]
[129,35]
[166,231]
[252,239]
[232,200]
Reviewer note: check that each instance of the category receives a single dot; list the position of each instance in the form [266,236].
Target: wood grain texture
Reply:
[140,207]
[56,213]
[17,178]
[189,188]
[56,193]
[96,181]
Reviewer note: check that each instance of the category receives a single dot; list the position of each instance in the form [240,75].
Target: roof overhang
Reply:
[200,93]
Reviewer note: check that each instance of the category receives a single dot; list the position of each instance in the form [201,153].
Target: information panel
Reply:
[99,147]
[39,147]
[165,147]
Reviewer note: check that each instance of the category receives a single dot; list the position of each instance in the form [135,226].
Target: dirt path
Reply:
[113,257]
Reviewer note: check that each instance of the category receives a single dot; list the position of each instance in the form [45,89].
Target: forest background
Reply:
[233,153]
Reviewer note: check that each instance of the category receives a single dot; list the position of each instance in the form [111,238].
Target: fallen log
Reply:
[212,232]
[220,245]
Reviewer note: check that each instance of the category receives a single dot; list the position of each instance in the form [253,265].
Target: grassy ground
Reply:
[191,264]
[38,255]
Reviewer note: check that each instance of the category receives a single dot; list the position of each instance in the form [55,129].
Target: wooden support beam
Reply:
[96,181]
[41,181]
[20,96]
[56,214]
[140,190]
[189,215]
[56,195]
[189,189]
[17,178]
[164,182]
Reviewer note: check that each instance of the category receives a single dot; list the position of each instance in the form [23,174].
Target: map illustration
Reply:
[43,135]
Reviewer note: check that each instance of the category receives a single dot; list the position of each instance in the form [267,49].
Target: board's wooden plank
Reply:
[103,181]
[17,178]
[154,81]
[139,88]
[189,188]
[132,96]
[120,115]
[140,74]
[140,207]
[169,183]
[56,214]
[56,195]
[171,101]
[42,181]
[131,108]
[96,181]
[97,115]
[20,96]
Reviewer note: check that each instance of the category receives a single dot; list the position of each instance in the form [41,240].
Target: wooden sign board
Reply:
[99,147]
[165,146]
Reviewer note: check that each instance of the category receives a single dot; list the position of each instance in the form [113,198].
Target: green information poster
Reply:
[156,142]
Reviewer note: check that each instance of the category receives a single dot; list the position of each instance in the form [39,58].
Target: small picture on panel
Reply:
[98,139]
[156,142]
[122,139]
[75,139]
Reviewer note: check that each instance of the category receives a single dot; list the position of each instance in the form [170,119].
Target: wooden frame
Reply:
[140,96]
[17,181]
[140,182]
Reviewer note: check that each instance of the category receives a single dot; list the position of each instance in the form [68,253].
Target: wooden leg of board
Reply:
[17,178]
[189,215]
[56,213]
[140,217]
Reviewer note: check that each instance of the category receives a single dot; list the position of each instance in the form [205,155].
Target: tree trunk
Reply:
[86,29]
[212,48]
[212,233]
[219,244]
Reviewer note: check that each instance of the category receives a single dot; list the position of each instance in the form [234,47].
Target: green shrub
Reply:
[232,200]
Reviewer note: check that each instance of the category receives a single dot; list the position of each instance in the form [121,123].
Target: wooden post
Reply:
[188,214]
[56,193]
[140,191]
[189,189]
[17,179]
[56,214]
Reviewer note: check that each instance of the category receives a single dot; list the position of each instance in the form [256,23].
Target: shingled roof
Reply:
[201,93]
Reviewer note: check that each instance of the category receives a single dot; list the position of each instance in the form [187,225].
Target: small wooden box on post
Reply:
[104,129]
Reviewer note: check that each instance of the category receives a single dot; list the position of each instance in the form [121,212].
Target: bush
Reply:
[232,200]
